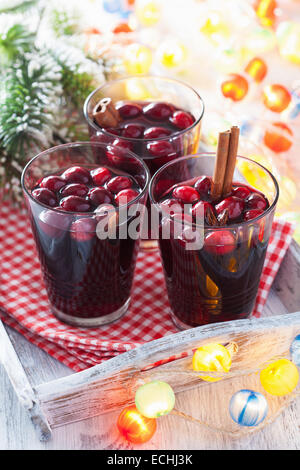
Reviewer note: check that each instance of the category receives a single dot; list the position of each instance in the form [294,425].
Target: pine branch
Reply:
[19,7]
[15,40]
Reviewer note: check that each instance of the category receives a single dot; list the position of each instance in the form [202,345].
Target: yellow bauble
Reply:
[280,378]
[212,357]
[137,59]
[155,399]
[172,54]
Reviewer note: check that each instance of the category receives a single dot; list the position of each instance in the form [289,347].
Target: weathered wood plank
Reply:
[21,385]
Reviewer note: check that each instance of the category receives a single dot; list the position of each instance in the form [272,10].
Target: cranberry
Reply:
[54,224]
[118,183]
[163,187]
[156,132]
[53,182]
[241,192]
[252,213]
[256,201]
[201,208]
[129,110]
[45,196]
[172,206]
[83,229]
[75,189]
[113,130]
[234,205]
[186,194]
[133,131]
[76,174]
[203,185]
[100,196]
[158,111]
[161,148]
[181,119]
[220,242]
[75,204]
[125,196]
[100,175]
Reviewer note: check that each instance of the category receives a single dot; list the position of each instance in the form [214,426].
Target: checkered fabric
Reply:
[24,304]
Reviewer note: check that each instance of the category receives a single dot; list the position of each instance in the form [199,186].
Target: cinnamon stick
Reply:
[105,113]
[231,160]
[220,165]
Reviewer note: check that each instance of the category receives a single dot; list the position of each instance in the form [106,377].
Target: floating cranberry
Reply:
[54,224]
[234,205]
[100,196]
[172,206]
[75,189]
[156,132]
[133,131]
[186,194]
[252,213]
[203,185]
[220,242]
[83,229]
[201,208]
[241,192]
[114,130]
[161,148]
[45,196]
[129,110]
[53,182]
[75,204]
[181,119]
[76,174]
[256,201]
[125,196]
[118,183]
[158,111]
[100,175]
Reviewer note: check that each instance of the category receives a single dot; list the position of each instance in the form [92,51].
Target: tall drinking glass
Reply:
[217,279]
[88,276]
[158,142]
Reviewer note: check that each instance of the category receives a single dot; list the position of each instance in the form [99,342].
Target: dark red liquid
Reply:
[219,281]
[85,277]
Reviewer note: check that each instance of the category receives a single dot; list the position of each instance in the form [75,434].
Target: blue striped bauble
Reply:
[248,408]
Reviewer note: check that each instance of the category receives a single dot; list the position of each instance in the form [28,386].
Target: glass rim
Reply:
[208,154]
[131,139]
[127,154]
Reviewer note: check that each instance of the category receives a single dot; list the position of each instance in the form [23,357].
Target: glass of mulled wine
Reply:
[212,251]
[82,206]
[158,118]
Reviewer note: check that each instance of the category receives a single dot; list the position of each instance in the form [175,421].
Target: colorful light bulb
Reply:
[172,53]
[148,12]
[257,69]
[265,10]
[112,6]
[276,98]
[295,350]
[212,357]
[155,399]
[215,27]
[137,59]
[135,427]
[278,137]
[259,41]
[235,87]
[248,408]
[280,378]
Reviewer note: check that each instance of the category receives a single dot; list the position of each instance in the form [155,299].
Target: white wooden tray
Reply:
[112,384]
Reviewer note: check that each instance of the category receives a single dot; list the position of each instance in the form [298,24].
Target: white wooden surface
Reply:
[17,432]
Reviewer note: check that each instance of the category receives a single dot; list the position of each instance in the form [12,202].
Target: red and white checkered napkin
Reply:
[24,304]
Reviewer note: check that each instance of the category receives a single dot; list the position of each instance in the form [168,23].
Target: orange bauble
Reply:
[135,427]
[276,98]
[277,139]
[235,87]
[257,69]
[265,10]
[122,28]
